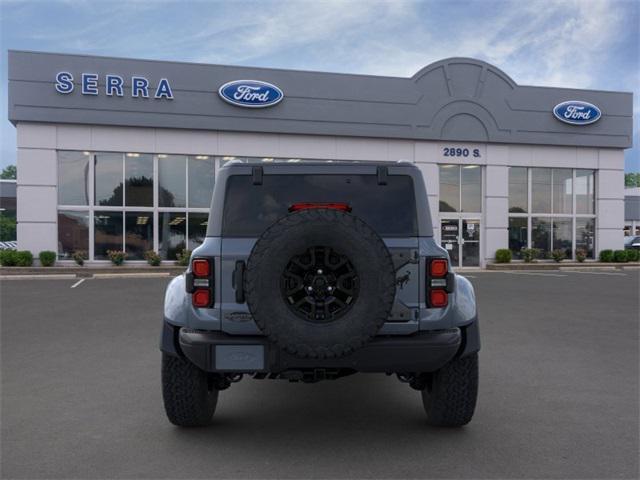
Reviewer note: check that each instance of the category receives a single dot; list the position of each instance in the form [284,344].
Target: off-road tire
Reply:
[189,396]
[294,234]
[450,395]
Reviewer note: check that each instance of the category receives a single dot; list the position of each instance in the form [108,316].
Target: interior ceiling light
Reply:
[201,157]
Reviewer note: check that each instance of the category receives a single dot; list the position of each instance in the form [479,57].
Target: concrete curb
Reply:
[89,272]
[561,266]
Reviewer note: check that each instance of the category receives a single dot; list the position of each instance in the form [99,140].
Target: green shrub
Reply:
[633,255]
[152,258]
[581,254]
[24,258]
[529,254]
[117,257]
[606,256]
[183,257]
[503,255]
[620,256]
[80,256]
[558,255]
[8,258]
[47,258]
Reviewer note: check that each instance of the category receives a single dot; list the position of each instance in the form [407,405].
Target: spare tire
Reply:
[320,283]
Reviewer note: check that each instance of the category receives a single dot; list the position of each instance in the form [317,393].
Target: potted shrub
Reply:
[620,256]
[8,258]
[24,258]
[558,255]
[581,254]
[47,258]
[529,254]
[503,255]
[152,258]
[117,257]
[606,256]
[79,256]
[183,257]
[633,255]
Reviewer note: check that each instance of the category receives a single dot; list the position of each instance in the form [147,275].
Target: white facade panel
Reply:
[309,146]
[608,184]
[361,149]
[610,158]
[37,237]
[37,167]
[401,150]
[496,212]
[36,203]
[248,144]
[494,239]
[609,239]
[496,181]
[123,139]
[187,142]
[73,137]
[36,135]
[610,214]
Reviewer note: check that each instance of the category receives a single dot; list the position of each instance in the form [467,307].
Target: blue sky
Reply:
[568,43]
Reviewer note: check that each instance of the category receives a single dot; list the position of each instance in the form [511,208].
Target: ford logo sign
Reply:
[576,112]
[250,93]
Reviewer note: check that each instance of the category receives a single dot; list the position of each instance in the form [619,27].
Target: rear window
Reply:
[389,209]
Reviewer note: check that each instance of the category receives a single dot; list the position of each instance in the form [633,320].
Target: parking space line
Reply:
[538,274]
[78,283]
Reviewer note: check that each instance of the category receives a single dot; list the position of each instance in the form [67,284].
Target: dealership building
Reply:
[122,154]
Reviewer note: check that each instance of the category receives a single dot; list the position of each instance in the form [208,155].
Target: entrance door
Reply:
[461,238]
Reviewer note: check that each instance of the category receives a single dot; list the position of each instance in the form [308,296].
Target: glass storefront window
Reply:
[107,232]
[449,188]
[562,190]
[138,234]
[541,190]
[172,181]
[108,179]
[197,229]
[562,235]
[541,235]
[73,233]
[585,235]
[585,192]
[517,235]
[201,179]
[471,191]
[73,178]
[172,232]
[518,190]
[138,174]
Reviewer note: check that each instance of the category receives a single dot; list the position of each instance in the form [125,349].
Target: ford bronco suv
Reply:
[314,271]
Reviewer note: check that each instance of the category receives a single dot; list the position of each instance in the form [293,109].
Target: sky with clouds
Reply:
[564,43]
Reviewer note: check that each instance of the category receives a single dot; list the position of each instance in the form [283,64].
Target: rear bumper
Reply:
[220,352]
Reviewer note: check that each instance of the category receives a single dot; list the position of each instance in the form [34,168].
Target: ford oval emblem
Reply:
[250,93]
[576,112]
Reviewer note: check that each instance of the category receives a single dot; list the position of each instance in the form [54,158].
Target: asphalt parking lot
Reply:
[558,393]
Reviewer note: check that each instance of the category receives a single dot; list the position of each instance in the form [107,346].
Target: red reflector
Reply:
[296,207]
[438,298]
[201,298]
[200,267]
[438,267]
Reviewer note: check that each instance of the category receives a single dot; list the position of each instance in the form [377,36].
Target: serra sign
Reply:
[113,85]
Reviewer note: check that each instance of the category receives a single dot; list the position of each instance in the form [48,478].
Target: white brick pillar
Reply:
[37,188]
[610,200]
[496,210]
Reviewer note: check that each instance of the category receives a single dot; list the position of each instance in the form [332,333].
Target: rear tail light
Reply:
[296,207]
[199,282]
[439,282]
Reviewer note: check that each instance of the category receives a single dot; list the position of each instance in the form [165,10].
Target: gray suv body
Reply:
[313,271]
